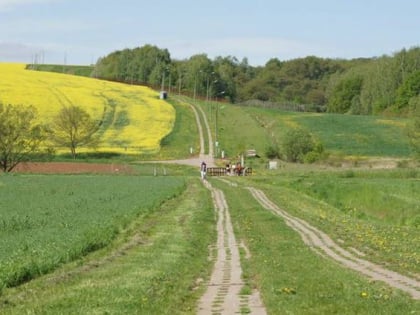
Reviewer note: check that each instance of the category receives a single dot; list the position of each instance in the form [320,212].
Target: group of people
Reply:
[231,169]
[234,169]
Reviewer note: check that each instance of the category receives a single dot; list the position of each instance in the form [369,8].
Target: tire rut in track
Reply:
[223,290]
[325,246]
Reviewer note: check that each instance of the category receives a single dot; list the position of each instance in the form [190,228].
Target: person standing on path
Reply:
[203,170]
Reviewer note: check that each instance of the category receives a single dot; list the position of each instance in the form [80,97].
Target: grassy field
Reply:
[49,220]
[139,244]
[151,264]
[184,135]
[151,268]
[85,71]
[243,128]
[341,134]
[132,119]
[290,276]
[376,212]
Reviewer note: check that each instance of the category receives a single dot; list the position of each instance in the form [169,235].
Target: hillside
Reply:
[377,85]
[344,137]
[132,119]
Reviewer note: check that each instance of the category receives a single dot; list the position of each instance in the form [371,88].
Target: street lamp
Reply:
[208,85]
[215,124]
[209,99]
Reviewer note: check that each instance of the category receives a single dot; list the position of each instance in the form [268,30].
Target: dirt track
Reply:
[325,246]
[223,295]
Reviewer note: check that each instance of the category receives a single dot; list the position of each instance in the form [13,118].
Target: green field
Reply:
[376,212]
[244,128]
[139,244]
[85,71]
[50,220]
[291,277]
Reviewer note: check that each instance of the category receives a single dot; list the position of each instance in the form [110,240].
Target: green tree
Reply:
[344,94]
[414,126]
[297,142]
[73,127]
[410,88]
[20,135]
[198,71]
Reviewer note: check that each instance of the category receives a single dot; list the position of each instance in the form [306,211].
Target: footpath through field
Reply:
[322,244]
[223,294]
[203,157]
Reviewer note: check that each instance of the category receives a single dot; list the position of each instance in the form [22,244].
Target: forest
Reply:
[389,84]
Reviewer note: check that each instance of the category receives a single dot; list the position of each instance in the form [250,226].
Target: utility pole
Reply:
[65,61]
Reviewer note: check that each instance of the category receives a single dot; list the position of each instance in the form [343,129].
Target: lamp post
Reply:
[216,124]
[208,85]
[208,91]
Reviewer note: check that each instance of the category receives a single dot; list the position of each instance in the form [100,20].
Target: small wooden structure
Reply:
[216,171]
[222,171]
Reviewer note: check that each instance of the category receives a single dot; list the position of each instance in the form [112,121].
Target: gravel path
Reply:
[223,294]
[325,246]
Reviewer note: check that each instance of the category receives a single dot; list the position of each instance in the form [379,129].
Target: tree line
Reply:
[386,84]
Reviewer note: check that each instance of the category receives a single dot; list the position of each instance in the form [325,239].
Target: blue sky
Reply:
[80,31]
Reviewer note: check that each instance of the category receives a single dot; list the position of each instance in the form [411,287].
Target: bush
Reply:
[311,157]
[272,152]
[297,143]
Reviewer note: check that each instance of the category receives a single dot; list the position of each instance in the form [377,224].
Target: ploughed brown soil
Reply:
[73,168]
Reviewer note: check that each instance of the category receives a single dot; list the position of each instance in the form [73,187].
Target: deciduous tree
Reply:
[73,127]
[20,135]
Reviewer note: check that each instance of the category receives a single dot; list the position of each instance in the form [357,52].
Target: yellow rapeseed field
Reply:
[134,119]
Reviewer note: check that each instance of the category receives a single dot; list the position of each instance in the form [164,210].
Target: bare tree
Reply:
[73,127]
[20,135]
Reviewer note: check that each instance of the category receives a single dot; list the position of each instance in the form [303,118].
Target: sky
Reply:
[79,32]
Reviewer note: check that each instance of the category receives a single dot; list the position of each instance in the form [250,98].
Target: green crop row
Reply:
[152,267]
[49,220]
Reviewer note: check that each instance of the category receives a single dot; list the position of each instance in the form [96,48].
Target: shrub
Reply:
[311,157]
[273,152]
[297,142]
